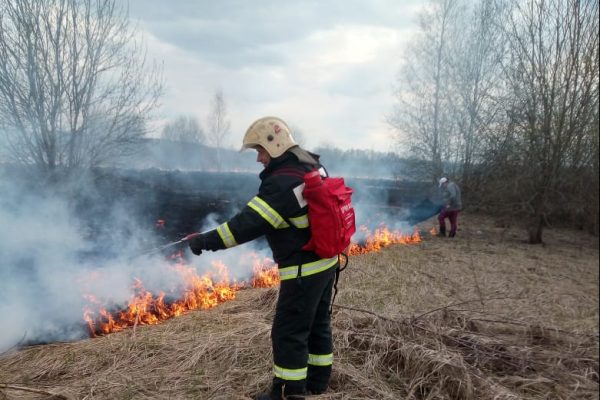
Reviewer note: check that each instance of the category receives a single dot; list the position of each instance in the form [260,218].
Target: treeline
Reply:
[363,163]
[502,95]
[187,156]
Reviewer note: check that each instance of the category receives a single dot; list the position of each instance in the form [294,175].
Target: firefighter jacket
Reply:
[279,212]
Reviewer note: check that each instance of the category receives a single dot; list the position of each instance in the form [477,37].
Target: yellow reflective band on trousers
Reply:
[300,222]
[268,213]
[290,374]
[320,360]
[226,235]
[307,269]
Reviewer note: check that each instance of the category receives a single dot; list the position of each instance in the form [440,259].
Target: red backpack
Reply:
[330,213]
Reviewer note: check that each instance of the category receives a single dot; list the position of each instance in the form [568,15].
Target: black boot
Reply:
[276,392]
[318,379]
[278,396]
[288,390]
[263,396]
[269,396]
[442,232]
[294,390]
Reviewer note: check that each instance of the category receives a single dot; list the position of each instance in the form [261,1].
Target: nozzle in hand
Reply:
[197,242]
[191,236]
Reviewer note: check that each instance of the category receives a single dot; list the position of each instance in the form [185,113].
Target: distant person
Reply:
[301,330]
[451,206]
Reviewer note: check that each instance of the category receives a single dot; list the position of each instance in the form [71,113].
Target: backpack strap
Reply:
[295,172]
[337,277]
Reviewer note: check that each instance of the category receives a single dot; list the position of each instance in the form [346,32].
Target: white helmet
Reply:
[443,180]
[271,133]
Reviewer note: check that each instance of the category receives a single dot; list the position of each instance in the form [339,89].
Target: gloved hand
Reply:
[197,242]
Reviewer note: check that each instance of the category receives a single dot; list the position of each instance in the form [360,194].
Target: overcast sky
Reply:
[326,67]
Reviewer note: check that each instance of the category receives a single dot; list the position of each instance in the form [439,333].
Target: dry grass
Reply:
[480,316]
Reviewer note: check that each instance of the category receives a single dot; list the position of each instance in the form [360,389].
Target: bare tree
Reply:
[475,61]
[185,129]
[75,90]
[552,80]
[513,104]
[422,117]
[219,126]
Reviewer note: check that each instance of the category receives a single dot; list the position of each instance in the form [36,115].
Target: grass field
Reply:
[480,316]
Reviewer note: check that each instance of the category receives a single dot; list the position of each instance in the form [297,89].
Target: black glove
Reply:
[197,243]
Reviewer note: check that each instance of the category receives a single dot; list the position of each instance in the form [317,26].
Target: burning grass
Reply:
[199,292]
[483,316]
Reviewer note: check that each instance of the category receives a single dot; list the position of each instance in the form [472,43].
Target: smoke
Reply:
[186,156]
[85,243]
[58,255]
[388,203]
[39,242]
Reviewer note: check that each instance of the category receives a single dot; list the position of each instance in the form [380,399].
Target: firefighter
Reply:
[301,329]
[451,206]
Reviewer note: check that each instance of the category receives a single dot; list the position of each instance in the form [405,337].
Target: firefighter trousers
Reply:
[301,333]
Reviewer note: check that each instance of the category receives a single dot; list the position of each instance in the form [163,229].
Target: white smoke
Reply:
[39,242]
[51,264]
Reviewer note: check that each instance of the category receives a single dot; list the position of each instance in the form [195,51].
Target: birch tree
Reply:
[476,83]
[219,126]
[422,117]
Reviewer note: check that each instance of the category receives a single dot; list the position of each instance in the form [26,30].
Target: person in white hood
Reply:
[452,205]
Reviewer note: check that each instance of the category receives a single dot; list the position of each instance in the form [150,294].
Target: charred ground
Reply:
[183,199]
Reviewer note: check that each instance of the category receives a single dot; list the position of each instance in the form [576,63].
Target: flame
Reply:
[380,238]
[208,290]
[200,292]
[264,277]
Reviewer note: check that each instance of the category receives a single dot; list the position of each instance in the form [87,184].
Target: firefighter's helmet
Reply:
[272,134]
[443,180]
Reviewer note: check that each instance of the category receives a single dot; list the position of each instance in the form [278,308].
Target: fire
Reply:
[381,238]
[200,292]
[208,290]
[264,277]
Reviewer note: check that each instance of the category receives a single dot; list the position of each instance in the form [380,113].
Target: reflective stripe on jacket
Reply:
[278,211]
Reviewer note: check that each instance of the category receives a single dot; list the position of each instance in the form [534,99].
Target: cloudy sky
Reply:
[326,67]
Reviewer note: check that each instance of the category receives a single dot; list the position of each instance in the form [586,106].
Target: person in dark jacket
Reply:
[451,206]
[301,330]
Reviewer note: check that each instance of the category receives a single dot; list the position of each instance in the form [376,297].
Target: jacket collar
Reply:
[277,163]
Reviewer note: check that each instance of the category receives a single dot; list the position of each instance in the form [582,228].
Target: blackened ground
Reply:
[168,205]
[183,199]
